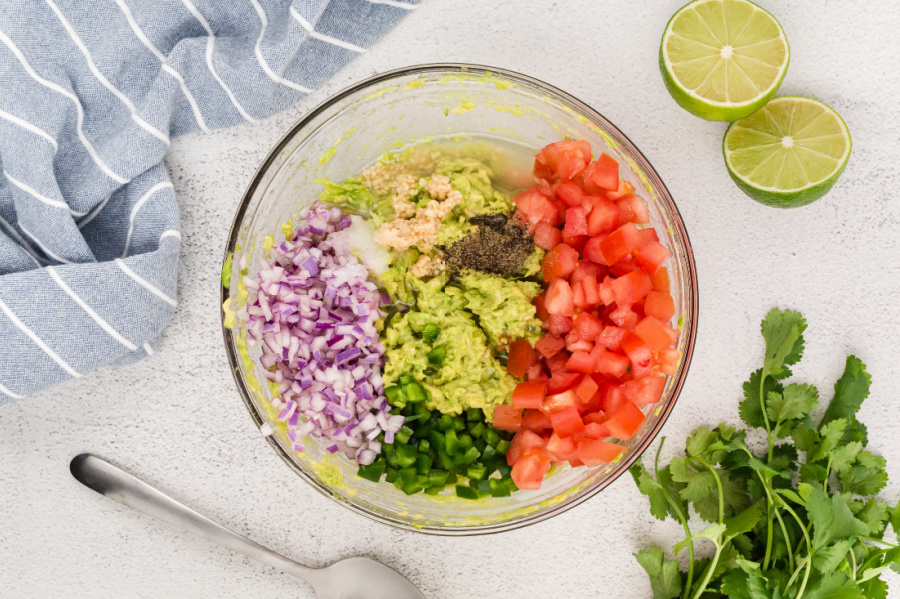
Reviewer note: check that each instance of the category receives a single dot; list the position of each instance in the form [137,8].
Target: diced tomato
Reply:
[559,298]
[612,363]
[540,307]
[645,390]
[580,361]
[561,448]
[668,360]
[520,358]
[536,373]
[594,430]
[542,170]
[556,365]
[570,193]
[623,267]
[633,209]
[613,398]
[586,268]
[656,335]
[591,250]
[659,305]
[530,469]
[522,442]
[646,236]
[568,158]
[602,175]
[588,326]
[604,216]
[508,418]
[623,316]
[536,207]
[578,297]
[559,262]
[560,401]
[576,242]
[578,345]
[607,295]
[625,188]
[529,395]
[576,223]
[639,354]
[631,287]
[561,382]
[611,337]
[651,256]
[618,244]
[660,280]
[593,452]
[566,422]
[560,325]
[546,236]
[585,389]
[591,291]
[536,420]
[625,421]
[549,345]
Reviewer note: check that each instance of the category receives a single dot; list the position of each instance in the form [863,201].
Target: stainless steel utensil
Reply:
[351,578]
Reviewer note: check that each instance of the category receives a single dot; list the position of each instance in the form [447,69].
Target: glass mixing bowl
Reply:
[348,133]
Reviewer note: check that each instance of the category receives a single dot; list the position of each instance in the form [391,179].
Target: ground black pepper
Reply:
[495,246]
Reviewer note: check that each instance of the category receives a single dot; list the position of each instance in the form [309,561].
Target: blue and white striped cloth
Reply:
[91,92]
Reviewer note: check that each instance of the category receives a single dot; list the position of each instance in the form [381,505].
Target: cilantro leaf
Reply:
[875,514]
[832,519]
[665,577]
[783,332]
[849,392]
[750,408]
[867,476]
[828,559]
[895,518]
[659,505]
[834,586]
[795,402]
[843,457]
[875,588]
[700,489]
[713,532]
[830,437]
[743,522]
[740,584]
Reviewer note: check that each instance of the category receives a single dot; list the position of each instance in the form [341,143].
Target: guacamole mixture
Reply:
[421,202]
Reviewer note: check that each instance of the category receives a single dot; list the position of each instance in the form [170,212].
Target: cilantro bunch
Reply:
[794,520]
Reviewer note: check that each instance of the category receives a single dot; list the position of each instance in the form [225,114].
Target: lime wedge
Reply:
[723,60]
[789,153]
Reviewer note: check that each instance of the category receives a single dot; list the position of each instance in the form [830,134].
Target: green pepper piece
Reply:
[481,445]
[430,332]
[414,392]
[488,452]
[403,435]
[445,460]
[423,463]
[394,395]
[438,440]
[483,486]
[446,422]
[478,429]
[476,471]
[433,490]
[422,480]
[406,379]
[436,356]
[474,414]
[459,423]
[492,437]
[471,455]
[408,475]
[424,446]
[509,484]
[502,446]
[392,475]
[406,456]
[420,409]
[498,489]
[452,478]
[465,442]
[438,478]
[372,471]
[452,445]
[411,489]
[504,469]
[466,492]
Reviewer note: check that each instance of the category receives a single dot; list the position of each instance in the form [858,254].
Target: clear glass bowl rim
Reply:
[580,107]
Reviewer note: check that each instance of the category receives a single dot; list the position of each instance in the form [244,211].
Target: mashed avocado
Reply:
[478,313]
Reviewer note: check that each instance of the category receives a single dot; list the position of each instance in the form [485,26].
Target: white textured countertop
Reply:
[176,419]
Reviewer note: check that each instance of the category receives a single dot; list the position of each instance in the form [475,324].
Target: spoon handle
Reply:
[108,480]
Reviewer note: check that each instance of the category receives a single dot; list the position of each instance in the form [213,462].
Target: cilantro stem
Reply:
[808,559]
[681,518]
[709,571]
[852,564]
[881,541]
[769,534]
[762,405]
[718,486]
[787,539]
[828,471]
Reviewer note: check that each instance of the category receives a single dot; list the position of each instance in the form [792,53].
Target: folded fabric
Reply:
[91,93]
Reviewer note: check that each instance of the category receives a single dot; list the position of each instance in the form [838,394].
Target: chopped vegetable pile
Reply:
[797,518]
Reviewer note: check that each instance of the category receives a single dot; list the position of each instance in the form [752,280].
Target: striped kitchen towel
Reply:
[91,92]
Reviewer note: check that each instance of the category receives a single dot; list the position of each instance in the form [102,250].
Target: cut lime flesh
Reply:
[723,60]
[788,154]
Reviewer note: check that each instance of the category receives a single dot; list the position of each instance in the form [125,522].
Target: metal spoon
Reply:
[351,578]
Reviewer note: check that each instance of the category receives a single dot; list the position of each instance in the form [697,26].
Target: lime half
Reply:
[789,153]
[723,60]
